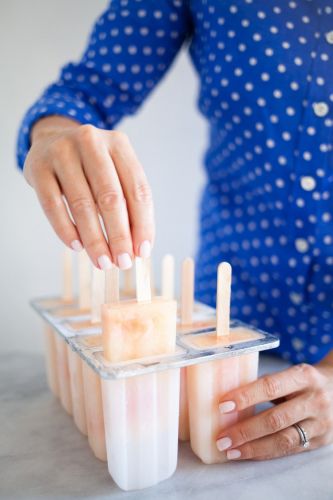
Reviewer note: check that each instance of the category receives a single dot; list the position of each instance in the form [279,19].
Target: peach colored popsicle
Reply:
[65,393]
[94,412]
[208,382]
[51,359]
[76,384]
[186,318]
[49,334]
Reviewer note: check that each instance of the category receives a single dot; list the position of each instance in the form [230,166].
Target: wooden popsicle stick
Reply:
[187,292]
[152,282]
[112,285]
[142,271]
[97,295]
[67,291]
[223,297]
[84,280]
[168,277]
[128,281]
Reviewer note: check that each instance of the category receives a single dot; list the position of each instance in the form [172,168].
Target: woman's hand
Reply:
[100,177]
[305,397]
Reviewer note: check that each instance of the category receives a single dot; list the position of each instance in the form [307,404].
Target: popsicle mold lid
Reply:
[188,350]
[49,307]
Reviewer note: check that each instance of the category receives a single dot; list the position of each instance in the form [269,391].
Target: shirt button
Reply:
[329,37]
[308,183]
[301,245]
[320,108]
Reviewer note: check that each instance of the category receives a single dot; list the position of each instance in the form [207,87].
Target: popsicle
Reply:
[94,411]
[62,352]
[208,382]
[141,412]
[51,359]
[92,382]
[65,394]
[186,312]
[49,334]
[77,392]
[188,324]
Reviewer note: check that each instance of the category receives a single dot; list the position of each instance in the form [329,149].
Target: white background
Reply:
[36,38]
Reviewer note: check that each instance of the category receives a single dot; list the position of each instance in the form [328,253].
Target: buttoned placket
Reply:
[308,186]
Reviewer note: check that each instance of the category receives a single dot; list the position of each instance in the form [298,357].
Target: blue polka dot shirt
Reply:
[266,89]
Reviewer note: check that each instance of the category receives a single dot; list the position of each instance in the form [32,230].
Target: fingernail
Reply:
[232,454]
[104,262]
[124,261]
[145,249]
[227,406]
[223,444]
[76,245]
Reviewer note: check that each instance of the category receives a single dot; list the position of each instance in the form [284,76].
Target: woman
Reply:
[266,90]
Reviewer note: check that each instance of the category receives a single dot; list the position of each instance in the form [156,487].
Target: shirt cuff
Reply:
[55,104]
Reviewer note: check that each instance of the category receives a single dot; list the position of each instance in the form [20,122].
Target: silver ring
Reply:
[303,436]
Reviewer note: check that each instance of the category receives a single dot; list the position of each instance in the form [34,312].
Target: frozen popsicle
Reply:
[94,411]
[141,412]
[92,382]
[77,392]
[63,374]
[187,324]
[208,382]
[51,359]
[74,361]
[49,334]
[62,353]
[186,318]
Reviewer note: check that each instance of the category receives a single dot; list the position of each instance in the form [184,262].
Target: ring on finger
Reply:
[304,440]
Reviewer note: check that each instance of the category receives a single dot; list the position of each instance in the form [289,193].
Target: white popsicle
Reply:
[141,413]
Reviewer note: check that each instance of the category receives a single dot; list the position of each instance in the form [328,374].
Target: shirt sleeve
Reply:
[130,48]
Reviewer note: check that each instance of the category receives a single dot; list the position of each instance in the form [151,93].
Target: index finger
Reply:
[270,387]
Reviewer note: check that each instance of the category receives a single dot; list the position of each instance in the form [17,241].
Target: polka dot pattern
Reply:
[267,92]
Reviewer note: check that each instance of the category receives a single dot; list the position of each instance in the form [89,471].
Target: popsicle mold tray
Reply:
[196,343]
[130,411]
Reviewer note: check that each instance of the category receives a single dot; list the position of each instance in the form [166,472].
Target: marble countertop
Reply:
[42,455]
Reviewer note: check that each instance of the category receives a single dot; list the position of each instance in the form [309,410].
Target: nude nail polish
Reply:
[233,454]
[124,261]
[227,406]
[76,246]
[104,262]
[145,249]
[223,443]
